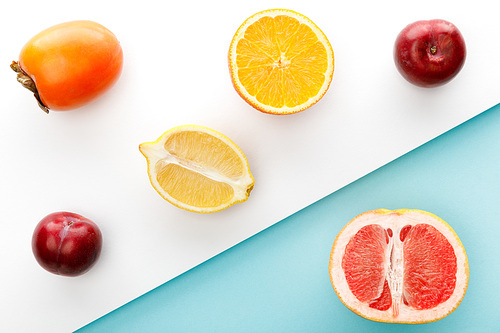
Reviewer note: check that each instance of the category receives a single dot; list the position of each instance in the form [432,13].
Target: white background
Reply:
[175,72]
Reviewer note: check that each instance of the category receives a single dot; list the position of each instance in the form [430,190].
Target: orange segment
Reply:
[280,62]
[198,169]
[261,36]
[250,56]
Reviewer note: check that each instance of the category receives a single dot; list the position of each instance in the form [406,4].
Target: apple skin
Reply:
[66,244]
[429,53]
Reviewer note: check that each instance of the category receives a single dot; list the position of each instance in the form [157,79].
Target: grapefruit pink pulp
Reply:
[402,266]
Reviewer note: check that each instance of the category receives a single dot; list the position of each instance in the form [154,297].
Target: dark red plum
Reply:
[429,53]
[66,244]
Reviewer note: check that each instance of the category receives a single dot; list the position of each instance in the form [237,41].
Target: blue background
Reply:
[278,281]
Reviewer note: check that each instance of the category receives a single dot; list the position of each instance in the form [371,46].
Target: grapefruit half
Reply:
[399,266]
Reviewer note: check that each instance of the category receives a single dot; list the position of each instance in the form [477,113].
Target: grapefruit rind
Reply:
[252,100]
[154,152]
[388,218]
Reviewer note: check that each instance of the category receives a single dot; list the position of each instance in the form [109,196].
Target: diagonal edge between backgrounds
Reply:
[190,271]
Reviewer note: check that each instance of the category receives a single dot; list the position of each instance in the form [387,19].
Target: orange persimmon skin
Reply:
[72,63]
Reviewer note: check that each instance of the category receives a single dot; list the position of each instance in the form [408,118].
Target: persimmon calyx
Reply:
[28,83]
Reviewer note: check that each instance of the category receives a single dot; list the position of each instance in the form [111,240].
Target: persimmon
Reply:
[70,65]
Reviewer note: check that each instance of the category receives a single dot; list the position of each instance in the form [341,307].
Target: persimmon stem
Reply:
[28,83]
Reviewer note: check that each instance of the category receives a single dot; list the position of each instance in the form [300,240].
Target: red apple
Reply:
[66,243]
[429,53]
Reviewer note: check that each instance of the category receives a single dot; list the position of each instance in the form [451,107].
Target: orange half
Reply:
[280,62]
